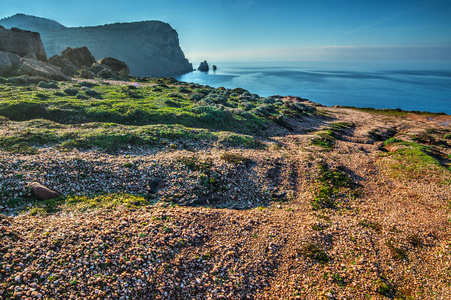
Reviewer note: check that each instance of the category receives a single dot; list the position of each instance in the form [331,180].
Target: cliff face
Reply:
[150,48]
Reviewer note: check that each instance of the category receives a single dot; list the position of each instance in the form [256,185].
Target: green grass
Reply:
[392,112]
[27,136]
[413,159]
[82,203]
[86,115]
[315,253]
[396,252]
[159,101]
[326,138]
[233,158]
[372,225]
[331,186]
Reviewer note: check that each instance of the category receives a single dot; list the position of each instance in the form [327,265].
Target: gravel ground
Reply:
[242,230]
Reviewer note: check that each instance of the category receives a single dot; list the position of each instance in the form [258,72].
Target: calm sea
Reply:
[422,87]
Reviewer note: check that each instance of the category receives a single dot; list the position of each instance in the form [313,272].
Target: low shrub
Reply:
[45,85]
[18,80]
[93,93]
[41,96]
[81,96]
[212,114]
[71,92]
[88,84]
[196,97]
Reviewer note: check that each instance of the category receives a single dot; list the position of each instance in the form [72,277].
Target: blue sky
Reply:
[234,30]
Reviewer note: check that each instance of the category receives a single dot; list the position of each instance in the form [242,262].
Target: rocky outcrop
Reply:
[203,66]
[115,65]
[12,65]
[64,64]
[35,68]
[22,42]
[79,57]
[149,48]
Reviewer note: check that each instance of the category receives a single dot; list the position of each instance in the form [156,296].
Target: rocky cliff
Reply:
[149,48]
[22,42]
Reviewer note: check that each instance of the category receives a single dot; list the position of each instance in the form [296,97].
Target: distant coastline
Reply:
[419,87]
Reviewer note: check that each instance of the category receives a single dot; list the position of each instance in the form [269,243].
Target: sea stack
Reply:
[203,66]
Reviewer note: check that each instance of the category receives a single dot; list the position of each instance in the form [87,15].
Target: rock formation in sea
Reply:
[203,66]
[149,48]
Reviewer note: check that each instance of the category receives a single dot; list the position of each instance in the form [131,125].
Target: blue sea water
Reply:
[419,87]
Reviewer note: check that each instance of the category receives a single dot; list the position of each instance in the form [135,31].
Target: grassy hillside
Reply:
[179,190]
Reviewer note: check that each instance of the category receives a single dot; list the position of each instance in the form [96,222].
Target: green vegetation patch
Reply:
[314,252]
[326,138]
[412,160]
[396,252]
[28,136]
[332,186]
[156,101]
[233,158]
[372,225]
[82,203]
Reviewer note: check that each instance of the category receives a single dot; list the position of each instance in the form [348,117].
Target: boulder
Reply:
[5,63]
[42,193]
[64,64]
[22,42]
[97,68]
[30,55]
[36,68]
[116,65]
[79,56]
[8,63]
[203,66]
[107,74]
[86,73]
[15,59]
[215,67]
